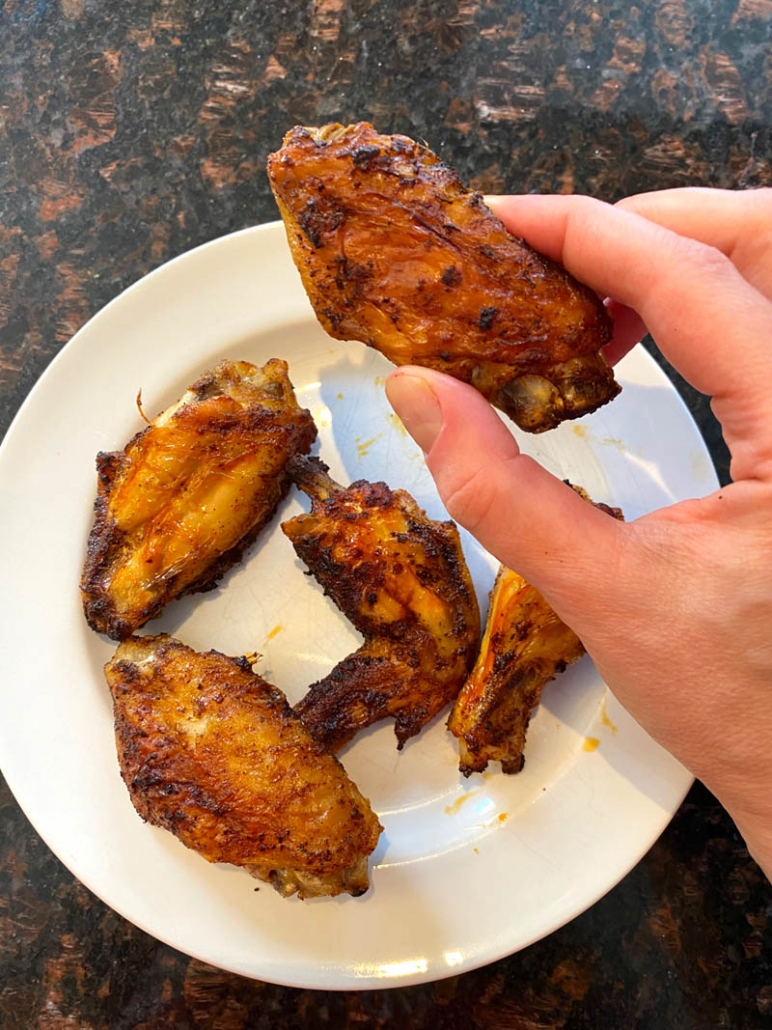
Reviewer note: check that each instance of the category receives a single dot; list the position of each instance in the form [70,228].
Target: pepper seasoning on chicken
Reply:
[395,252]
[524,646]
[403,582]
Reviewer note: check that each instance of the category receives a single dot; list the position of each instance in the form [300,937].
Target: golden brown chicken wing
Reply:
[394,251]
[213,753]
[180,504]
[524,646]
[402,581]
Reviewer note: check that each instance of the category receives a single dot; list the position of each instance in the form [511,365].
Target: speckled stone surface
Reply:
[133,131]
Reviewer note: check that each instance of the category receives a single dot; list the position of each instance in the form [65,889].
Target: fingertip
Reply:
[545,220]
[629,330]
[493,200]
[431,404]
[416,403]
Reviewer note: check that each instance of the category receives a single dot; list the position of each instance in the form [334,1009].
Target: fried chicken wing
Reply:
[180,504]
[524,646]
[214,754]
[403,582]
[395,252]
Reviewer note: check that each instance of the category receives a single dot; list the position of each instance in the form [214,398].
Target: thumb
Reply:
[523,515]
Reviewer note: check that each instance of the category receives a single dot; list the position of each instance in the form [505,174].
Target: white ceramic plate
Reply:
[466,871]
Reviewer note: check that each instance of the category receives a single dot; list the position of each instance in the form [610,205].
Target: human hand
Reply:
[675,607]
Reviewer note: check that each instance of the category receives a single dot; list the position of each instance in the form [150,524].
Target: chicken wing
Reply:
[189,493]
[403,582]
[213,753]
[524,646]
[395,252]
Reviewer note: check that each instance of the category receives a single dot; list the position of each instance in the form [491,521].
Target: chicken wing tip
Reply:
[311,475]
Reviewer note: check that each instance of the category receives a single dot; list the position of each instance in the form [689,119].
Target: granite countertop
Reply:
[130,133]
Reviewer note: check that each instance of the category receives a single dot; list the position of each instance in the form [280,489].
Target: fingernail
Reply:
[417,406]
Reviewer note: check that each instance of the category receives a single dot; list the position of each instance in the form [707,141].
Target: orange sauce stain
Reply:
[380,380]
[604,717]
[503,817]
[476,851]
[364,447]
[612,441]
[590,744]
[455,807]
[586,434]
[339,396]
[276,629]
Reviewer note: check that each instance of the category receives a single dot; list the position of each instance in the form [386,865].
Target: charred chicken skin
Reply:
[403,582]
[395,252]
[179,505]
[524,646]
[214,754]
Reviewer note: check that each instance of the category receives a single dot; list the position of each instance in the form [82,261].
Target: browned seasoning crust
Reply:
[524,646]
[403,582]
[187,495]
[394,251]
[214,754]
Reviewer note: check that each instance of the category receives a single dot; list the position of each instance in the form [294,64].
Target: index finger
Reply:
[708,321]
[738,223]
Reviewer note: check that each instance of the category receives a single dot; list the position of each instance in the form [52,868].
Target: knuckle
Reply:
[710,260]
[471,500]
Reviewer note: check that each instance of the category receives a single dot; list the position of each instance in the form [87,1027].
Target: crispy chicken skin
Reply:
[403,582]
[179,505]
[524,646]
[213,753]
[395,252]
